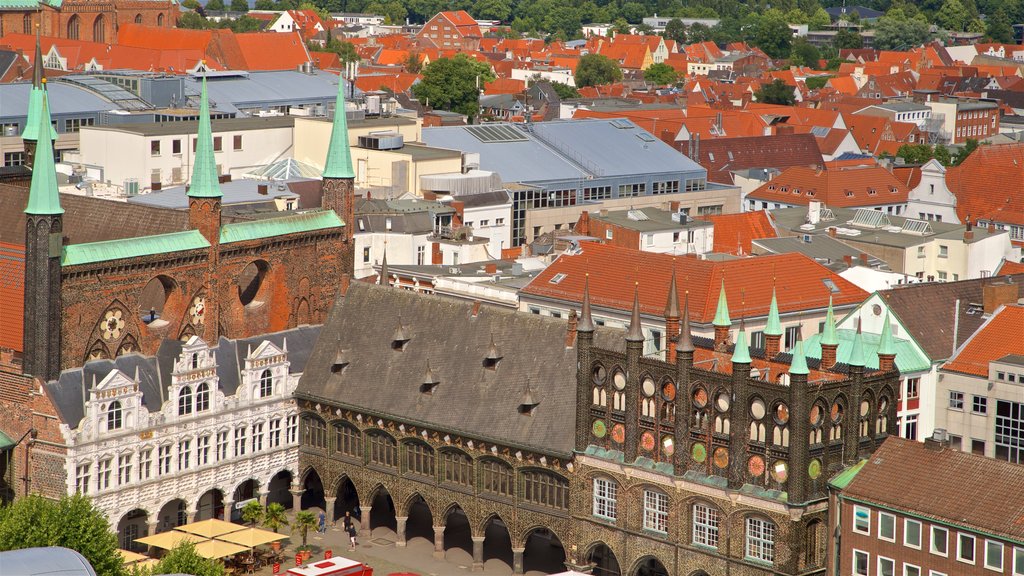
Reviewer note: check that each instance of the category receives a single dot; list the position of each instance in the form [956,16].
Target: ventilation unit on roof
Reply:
[382,141]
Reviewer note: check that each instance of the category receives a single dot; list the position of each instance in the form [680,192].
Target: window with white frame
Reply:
[994,555]
[886,566]
[655,511]
[203,450]
[82,477]
[862,520]
[605,492]
[705,525]
[184,454]
[760,539]
[103,474]
[222,445]
[956,400]
[185,401]
[912,533]
[1018,562]
[292,431]
[257,437]
[940,541]
[124,469]
[114,419]
[240,441]
[266,384]
[203,397]
[275,433]
[965,548]
[887,526]
[145,463]
[861,563]
[979,405]
[911,570]
[936,573]
[163,460]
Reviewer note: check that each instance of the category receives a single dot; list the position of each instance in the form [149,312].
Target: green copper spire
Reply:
[35,98]
[857,354]
[774,327]
[799,363]
[741,354]
[205,180]
[722,313]
[43,197]
[828,334]
[886,345]
[339,157]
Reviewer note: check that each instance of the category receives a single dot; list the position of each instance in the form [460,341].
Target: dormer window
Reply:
[400,338]
[185,401]
[430,381]
[339,364]
[266,384]
[529,402]
[493,356]
[114,416]
[195,361]
[203,397]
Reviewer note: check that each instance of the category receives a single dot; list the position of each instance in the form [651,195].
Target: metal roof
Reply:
[75,254]
[64,99]
[271,88]
[53,561]
[245,191]
[107,90]
[304,222]
[909,357]
[286,169]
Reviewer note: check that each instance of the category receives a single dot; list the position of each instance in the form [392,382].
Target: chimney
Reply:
[991,227]
[583,224]
[938,440]
[969,231]
[828,355]
[863,259]
[832,231]
[436,257]
[224,178]
[849,260]
[782,129]
[996,294]
[345,281]
[603,212]
[491,268]
[673,206]
[459,207]
[772,345]
[261,189]
[157,186]
[570,332]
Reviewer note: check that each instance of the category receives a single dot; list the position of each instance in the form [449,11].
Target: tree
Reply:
[492,9]
[846,39]
[595,69]
[454,84]
[193,20]
[304,522]
[72,522]
[953,15]
[275,516]
[778,92]
[239,5]
[245,23]
[633,12]
[900,34]
[773,35]
[264,5]
[661,74]
[252,512]
[675,30]
[699,33]
[942,155]
[564,91]
[345,50]
[413,64]
[970,146]
[817,82]
[215,5]
[183,559]
[998,27]
[819,19]
[192,4]
[804,53]
[915,153]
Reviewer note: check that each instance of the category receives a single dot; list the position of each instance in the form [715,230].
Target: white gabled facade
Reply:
[931,199]
[150,468]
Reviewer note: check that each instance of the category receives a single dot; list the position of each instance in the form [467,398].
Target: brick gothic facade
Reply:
[90,20]
[711,463]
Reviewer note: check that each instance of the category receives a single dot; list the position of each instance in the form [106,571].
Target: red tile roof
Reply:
[734,232]
[997,337]
[1009,267]
[989,185]
[397,83]
[12,295]
[748,281]
[843,188]
[272,50]
[505,86]
[721,156]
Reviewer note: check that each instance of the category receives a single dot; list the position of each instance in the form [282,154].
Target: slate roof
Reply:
[911,477]
[1000,336]
[926,311]
[469,398]
[71,389]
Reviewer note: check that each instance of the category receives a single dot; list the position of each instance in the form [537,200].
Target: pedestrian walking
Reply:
[350,528]
[323,522]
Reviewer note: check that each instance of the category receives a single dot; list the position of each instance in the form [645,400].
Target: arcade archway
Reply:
[604,561]
[543,552]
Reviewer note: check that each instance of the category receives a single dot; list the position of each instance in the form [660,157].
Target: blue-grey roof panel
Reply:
[235,192]
[63,99]
[272,88]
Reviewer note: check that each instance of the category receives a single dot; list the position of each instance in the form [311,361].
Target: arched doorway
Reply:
[312,492]
[420,521]
[543,552]
[210,505]
[347,500]
[458,536]
[497,543]
[604,561]
[172,515]
[650,566]
[278,489]
[248,490]
[382,513]
[132,526]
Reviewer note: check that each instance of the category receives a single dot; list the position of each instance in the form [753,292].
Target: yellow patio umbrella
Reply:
[211,528]
[168,540]
[252,537]
[147,563]
[217,549]
[130,557]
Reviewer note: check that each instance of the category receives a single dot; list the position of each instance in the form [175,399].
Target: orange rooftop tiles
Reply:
[998,337]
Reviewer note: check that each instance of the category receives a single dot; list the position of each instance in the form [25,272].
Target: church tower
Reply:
[43,244]
[204,211]
[338,186]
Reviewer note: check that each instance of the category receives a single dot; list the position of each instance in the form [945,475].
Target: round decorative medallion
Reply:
[837,412]
[814,469]
[756,466]
[599,428]
[619,380]
[757,409]
[112,324]
[780,471]
[668,391]
[865,406]
[648,387]
[599,374]
[668,445]
[781,414]
[723,401]
[619,433]
[721,457]
[815,415]
[647,442]
[700,398]
[876,310]
[197,311]
[699,452]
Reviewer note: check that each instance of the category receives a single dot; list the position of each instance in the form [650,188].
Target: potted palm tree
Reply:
[252,512]
[304,522]
[275,518]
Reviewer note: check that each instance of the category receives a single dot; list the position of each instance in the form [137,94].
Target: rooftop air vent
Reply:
[401,337]
[430,381]
[382,141]
[493,356]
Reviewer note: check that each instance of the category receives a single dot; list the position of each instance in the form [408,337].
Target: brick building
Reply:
[454,30]
[92,20]
[713,460]
[893,514]
[104,279]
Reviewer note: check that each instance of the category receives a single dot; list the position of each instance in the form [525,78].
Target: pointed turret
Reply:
[32,133]
[43,196]
[722,311]
[828,333]
[672,319]
[799,363]
[205,181]
[685,339]
[886,347]
[586,322]
[774,326]
[857,354]
[382,279]
[672,306]
[741,354]
[635,332]
[339,156]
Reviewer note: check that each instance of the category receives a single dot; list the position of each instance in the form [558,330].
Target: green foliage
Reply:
[848,39]
[817,82]
[252,512]
[71,522]
[699,33]
[595,69]
[215,5]
[245,23]
[413,64]
[305,521]
[819,20]
[264,5]
[183,559]
[970,146]
[941,153]
[492,10]
[953,15]
[773,35]
[191,4]
[675,30]
[661,74]
[564,91]
[346,51]
[897,32]
[915,153]
[193,20]
[239,6]
[777,92]
[998,27]
[454,84]
[804,53]
[633,12]
[275,516]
